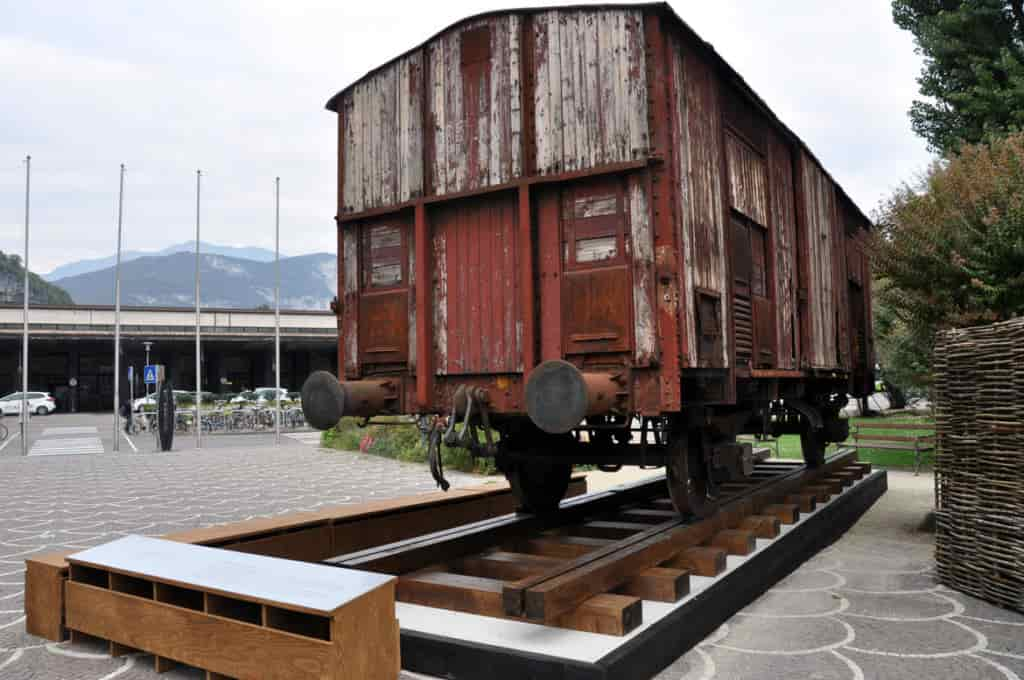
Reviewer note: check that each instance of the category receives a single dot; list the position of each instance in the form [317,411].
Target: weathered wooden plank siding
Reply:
[680,138]
[474,106]
[820,209]
[748,179]
[784,225]
[700,172]
[480,329]
[382,148]
[590,97]
[349,297]
[645,323]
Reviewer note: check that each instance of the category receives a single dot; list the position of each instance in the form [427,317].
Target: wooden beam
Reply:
[559,546]
[701,560]
[505,566]
[526,278]
[762,526]
[549,598]
[607,529]
[658,584]
[608,614]
[424,309]
[788,513]
[734,541]
[161,664]
[805,501]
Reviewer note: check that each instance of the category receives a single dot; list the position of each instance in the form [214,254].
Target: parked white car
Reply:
[260,396]
[139,403]
[39,403]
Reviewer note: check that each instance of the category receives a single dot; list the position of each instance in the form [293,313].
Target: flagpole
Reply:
[26,292]
[117,319]
[199,383]
[277,309]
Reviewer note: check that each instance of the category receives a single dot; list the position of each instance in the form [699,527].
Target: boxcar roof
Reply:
[716,58]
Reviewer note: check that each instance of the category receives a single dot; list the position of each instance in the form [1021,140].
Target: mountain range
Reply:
[96,264]
[168,280]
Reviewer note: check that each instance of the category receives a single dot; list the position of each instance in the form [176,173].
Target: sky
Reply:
[237,89]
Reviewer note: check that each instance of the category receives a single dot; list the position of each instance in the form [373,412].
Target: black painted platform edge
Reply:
[665,641]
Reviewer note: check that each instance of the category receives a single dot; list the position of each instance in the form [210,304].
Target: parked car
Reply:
[265,395]
[39,403]
[138,404]
[261,396]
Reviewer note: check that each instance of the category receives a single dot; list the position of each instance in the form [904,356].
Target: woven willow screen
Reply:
[979,425]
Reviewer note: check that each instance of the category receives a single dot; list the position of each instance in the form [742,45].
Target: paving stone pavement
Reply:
[66,502]
[867,607]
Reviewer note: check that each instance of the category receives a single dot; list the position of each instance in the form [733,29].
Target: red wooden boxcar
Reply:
[579,229]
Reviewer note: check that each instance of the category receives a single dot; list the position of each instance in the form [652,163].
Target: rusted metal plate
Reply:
[590,98]
[480,330]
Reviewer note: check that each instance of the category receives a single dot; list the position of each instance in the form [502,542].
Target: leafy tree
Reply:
[12,281]
[973,77]
[949,252]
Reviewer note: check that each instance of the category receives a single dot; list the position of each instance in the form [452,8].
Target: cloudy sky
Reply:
[237,88]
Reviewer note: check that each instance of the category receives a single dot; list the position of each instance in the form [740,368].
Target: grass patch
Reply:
[400,440]
[789,445]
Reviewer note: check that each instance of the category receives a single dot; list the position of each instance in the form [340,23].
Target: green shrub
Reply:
[401,441]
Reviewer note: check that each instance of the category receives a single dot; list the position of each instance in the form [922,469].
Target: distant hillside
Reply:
[12,283]
[307,282]
[96,264]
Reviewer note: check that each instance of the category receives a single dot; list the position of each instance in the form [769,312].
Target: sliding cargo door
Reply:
[384,293]
[478,313]
[597,315]
[753,312]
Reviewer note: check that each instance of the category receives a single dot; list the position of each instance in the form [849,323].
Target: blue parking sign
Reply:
[149,375]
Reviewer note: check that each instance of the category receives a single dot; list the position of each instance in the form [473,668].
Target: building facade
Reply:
[71,350]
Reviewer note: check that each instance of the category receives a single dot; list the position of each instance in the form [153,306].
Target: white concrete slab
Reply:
[569,644]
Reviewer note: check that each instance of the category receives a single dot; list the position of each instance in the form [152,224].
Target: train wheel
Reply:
[812,443]
[688,491]
[538,485]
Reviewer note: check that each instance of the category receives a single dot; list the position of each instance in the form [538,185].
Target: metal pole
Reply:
[199,383]
[277,309]
[24,319]
[146,384]
[117,319]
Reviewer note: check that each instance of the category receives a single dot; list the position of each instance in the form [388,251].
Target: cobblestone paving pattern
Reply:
[867,607]
[66,502]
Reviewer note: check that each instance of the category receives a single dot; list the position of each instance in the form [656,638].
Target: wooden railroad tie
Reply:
[700,560]
[590,567]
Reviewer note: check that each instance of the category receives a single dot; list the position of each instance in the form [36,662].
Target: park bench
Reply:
[877,436]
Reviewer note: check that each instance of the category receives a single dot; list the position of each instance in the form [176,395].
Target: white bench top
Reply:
[304,586]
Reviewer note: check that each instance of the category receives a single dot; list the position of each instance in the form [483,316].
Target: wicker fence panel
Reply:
[979,463]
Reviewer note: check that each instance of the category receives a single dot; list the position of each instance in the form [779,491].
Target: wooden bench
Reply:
[233,614]
[873,436]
